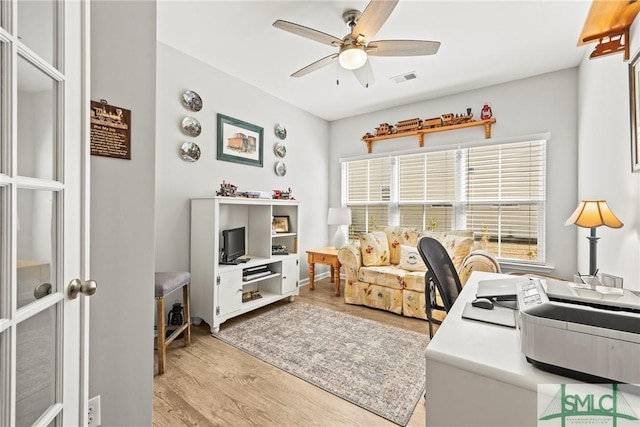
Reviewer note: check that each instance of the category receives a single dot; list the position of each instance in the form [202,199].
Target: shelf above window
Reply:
[420,132]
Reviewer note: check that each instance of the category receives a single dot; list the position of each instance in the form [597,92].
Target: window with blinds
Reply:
[427,190]
[497,191]
[369,194]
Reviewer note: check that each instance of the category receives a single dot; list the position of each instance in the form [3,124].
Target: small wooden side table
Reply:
[327,255]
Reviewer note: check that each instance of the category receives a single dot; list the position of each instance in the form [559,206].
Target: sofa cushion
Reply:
[398,236]
[438,235]
[389,276]
[410,259]
[414,280]
[375,248]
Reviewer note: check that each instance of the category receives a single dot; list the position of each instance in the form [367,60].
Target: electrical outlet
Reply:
[93,417]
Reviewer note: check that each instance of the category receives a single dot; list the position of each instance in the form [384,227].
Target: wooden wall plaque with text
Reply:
[110,131]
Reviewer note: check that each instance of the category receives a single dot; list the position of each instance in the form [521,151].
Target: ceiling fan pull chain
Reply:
[367,85]
[337,76]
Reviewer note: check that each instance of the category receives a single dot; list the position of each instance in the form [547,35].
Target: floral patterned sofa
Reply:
[385,271]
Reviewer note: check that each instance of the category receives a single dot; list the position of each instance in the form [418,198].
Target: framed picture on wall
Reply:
[239,142]
[634,104]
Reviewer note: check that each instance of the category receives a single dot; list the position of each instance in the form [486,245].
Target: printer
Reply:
[589,334]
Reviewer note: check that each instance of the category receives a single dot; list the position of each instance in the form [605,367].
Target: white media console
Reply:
[217,290]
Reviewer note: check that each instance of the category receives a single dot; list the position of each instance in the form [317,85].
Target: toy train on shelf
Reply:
[417,124]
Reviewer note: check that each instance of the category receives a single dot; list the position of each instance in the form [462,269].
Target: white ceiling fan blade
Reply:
[315,66]
[308,33]
[402,47]
[374,16]
[365,75]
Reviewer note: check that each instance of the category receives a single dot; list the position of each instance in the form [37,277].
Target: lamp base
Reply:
[340,238]
[593,242]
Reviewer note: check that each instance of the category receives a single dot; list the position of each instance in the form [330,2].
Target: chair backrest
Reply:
[440,269]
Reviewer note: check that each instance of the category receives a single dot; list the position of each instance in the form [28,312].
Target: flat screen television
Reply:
[232,244]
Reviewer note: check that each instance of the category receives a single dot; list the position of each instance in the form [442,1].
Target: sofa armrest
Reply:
[350,257]
[477,260]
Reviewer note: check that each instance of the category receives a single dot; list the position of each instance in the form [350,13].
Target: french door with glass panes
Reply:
[43,212]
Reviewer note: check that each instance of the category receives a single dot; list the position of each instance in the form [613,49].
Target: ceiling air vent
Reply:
[404,77]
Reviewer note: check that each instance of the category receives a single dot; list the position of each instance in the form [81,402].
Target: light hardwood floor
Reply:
[211,383]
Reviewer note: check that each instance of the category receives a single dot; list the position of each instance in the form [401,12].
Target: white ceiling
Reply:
[483,43]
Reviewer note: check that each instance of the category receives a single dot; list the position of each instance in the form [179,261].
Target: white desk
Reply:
[477,374]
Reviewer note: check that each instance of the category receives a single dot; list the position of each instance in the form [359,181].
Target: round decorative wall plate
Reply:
[281,169]
[280,131]
[190,151]
[191,126]
[280,150]
[191,100]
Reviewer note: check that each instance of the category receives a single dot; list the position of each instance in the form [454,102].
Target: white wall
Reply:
[545,103]
[122,216]
[604,167]
[177,181]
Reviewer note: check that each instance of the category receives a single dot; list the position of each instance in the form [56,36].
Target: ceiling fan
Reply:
[356,46]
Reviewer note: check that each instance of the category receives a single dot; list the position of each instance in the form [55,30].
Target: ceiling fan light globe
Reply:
[352,57]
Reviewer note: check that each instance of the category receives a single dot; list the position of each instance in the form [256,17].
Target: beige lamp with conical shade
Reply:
[592,214]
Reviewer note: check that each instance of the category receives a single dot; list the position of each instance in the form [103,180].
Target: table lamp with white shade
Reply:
[339,217]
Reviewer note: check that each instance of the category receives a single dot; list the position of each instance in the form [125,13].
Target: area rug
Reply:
[378,367]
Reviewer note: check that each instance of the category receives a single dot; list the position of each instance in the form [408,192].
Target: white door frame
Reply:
[85,235]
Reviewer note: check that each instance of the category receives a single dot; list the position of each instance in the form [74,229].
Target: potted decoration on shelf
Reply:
[486,112]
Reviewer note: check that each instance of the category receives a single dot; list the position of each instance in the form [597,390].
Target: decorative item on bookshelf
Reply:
[280,224]
[283,194]
[227,189]
[279,250]
[251,295]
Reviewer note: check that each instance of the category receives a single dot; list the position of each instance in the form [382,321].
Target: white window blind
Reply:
[505,196]
[369,194]
[427,189]
[497,191]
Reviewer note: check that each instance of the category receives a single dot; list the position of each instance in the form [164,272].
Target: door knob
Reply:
[86,288]
[42,290]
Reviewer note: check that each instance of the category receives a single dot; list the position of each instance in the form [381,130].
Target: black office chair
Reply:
[441,274]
